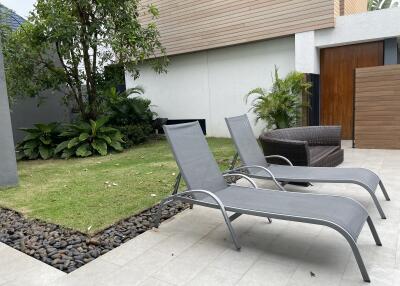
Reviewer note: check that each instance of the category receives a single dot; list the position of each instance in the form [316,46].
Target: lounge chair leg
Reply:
[159,211]
[358,257]
[231,230]
[384,190]
[177,183]
[377,204]
[374,233]
[360,262]
[234,160]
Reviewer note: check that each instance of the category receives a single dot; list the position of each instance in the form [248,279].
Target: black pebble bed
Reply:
[66,249]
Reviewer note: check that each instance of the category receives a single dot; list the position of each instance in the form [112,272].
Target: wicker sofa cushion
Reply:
[318,153]
[317,146]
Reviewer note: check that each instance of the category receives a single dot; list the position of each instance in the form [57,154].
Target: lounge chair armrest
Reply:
[262,168]
[280,157]
[247,178]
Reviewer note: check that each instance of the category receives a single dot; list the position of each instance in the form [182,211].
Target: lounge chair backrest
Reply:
[246,144]
[194,158]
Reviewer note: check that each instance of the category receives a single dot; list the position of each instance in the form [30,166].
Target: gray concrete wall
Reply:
[391,52]
[398,50]
[8,164]
[26,111]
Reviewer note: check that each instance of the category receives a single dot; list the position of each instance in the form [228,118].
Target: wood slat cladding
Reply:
[195,25]
[338,66]
[377,107]
[348,7]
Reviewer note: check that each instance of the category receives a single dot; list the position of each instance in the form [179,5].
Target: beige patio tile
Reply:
[179,271]
[135,247]
[267,272]
[92,274]
[154,282]
[214,277]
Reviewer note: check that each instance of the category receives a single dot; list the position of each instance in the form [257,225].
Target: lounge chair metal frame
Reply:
[183,196]
[188,196]
[289,179]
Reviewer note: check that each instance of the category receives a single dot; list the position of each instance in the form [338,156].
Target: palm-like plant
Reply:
[128,107]
[382,4]
[280,107]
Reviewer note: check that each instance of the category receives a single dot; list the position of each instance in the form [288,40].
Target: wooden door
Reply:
[338,66]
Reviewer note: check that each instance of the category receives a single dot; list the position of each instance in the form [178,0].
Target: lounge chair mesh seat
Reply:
[251,154]
[207,187]
[323,207]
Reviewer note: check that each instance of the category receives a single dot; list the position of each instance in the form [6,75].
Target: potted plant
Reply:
[280,106]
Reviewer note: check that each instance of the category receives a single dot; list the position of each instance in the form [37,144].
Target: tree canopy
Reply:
[65,44]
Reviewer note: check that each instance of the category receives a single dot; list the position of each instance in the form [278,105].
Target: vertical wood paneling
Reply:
[377,107]
[338,66]
[348,7]
[194,25]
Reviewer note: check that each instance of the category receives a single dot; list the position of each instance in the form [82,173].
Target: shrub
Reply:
[40,142]
[85,139]
[135,134]
[124,109]
[131,115]
[280,107]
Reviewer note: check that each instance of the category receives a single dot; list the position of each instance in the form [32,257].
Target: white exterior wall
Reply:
[307,55]
[364,27]
[211,85]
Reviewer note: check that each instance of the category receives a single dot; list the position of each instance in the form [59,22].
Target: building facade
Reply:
[220,50]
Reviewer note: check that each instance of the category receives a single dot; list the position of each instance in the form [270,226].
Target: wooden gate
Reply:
[338,65]
[377,107]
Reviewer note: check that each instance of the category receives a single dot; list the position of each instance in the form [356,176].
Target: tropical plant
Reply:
[280,107]
[40,142]
[129,113]
[125,109]
[64,45]
[382,4]
[88,138]
[134,134]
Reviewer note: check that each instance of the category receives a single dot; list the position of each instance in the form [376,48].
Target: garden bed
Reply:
[67,213]
[66,249]
[91,194]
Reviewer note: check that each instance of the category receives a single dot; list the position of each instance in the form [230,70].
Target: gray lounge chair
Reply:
[255,163]
[207,187]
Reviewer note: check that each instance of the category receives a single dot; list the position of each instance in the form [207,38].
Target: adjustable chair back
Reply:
[199,169]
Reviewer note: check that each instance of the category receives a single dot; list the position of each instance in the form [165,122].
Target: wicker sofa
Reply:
[317,146]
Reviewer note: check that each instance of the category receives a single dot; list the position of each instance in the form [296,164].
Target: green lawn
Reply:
[90,194]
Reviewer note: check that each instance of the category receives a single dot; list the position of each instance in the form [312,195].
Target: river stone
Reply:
[66,249]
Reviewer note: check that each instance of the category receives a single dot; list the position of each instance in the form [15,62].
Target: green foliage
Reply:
[135,133]
[40,142]
[280,107]
[131,115]
[125,109]
[67,43]
[381,4]
[85,139]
